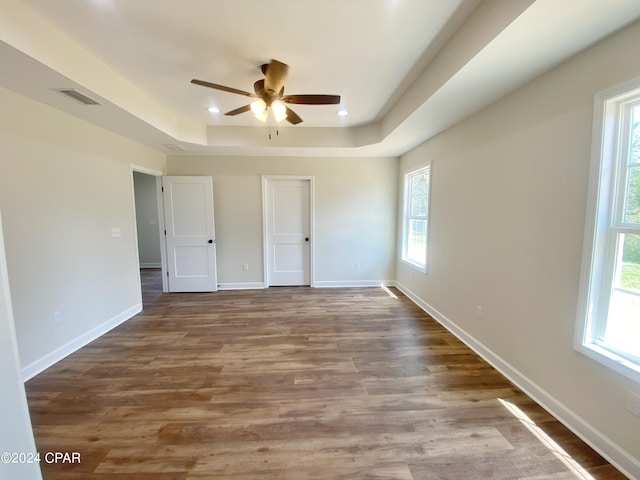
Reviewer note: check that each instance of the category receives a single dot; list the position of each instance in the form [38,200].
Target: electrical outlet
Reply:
[633,402]
[245,267]
[478,312]
[356,265]
[57,318]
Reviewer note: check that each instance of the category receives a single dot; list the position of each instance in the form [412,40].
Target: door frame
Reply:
[163,254]
[265,236]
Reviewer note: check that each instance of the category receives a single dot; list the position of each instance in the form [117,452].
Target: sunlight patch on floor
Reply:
[547,441]
[389,292]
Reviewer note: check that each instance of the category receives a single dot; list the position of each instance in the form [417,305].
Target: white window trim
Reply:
[603,156]
[405,193]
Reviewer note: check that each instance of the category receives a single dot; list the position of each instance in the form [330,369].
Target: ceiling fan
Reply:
[269,93]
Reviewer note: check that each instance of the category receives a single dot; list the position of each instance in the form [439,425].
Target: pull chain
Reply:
[277,132]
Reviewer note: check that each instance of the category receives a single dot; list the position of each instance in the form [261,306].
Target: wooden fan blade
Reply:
[240,110]
[312,99]
[292,117]
[222,87]
[275,76]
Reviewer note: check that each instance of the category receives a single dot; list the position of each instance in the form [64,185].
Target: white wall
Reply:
[355,214]
[64,184]
[14,412]
[509,189]
[146,200]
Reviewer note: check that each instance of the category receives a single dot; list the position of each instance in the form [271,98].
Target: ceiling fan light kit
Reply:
[259,109]
[269,93]
[279,110]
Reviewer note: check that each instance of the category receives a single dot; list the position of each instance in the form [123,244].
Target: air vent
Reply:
[174,147]
[77,96]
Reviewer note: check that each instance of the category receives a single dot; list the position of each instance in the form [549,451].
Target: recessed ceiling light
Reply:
[343,113]
[213,110]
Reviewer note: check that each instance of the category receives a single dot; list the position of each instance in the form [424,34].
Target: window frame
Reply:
[406,217]
[605,223]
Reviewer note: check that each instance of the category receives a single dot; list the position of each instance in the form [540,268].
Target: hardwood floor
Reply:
[293,383]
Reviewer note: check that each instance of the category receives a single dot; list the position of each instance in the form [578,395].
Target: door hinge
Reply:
[167,273]
[162,189]
[165,232]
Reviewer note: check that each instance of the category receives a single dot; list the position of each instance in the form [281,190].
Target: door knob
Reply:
[210,241]
[306,239]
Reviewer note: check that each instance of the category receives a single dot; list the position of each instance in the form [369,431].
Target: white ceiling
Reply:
[405,69]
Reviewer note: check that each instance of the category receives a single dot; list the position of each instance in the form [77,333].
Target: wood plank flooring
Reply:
[292,383]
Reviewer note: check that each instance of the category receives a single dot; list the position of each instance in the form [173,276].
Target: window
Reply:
[609,322]
[416,217]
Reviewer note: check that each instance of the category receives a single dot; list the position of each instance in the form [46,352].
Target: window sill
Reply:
[610,360]
[415,266]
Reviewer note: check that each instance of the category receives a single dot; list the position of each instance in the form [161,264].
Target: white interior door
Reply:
[190,234]
[288,231]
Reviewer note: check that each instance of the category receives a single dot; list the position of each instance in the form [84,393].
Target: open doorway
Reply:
[148,221]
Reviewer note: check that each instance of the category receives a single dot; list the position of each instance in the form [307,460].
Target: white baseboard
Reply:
[317,284]
[241,286]
[67,349]
[352,283]
[615,454]
[150,265]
